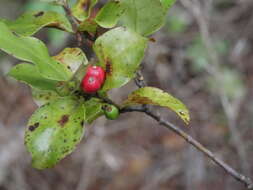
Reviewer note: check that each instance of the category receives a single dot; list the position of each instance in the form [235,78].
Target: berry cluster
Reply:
[93,80]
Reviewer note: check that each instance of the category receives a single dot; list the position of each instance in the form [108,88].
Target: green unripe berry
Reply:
[111,112]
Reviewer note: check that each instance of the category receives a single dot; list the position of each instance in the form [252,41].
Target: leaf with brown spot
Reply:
[93,110]
[53,132]
[124,50]
[155,96]
[42,97]
[82,9]
[71,59]
[64,119]
[39,14]
[33,127]
[31,22]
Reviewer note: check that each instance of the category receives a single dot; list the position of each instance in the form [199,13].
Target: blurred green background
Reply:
[203,55]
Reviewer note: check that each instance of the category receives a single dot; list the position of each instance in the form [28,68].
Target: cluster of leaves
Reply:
[57,126]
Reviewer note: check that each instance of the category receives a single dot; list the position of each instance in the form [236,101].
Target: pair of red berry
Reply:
[93,79]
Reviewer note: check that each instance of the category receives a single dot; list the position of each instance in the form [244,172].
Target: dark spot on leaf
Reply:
[15,34]
[33,127]
[141,100]
[152,40]
[108,67]
[61,83]
[44,105]
[39,14]
[82,123]
[85,5]
[69,67]
[65,151]
[64,119]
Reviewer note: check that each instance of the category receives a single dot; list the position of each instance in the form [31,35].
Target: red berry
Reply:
[91,84]
[96,71]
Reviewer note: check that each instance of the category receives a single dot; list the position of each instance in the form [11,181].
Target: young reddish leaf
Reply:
[155,96]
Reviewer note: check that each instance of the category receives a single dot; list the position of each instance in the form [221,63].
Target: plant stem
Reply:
[148,111]
[247,181]
[74,23]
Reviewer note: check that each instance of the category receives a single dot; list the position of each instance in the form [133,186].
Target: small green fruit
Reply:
[111,112]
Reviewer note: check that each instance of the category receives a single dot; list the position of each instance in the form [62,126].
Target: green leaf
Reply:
[88,25]
[57,2]
[155,96]
[32,50]
[42,97]
[120,51]
[54,130]
[145,16]
[93,109]
[109,15]
[72,59]
[32,21]
[82,9]
[33,5]
[79,10]
[167,3]
[30,75]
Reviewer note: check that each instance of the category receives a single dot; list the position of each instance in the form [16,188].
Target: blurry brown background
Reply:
[203,56]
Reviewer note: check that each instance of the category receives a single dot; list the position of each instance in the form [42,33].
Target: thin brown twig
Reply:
[148,111]
[74,23]
[140,82]
[238,176]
